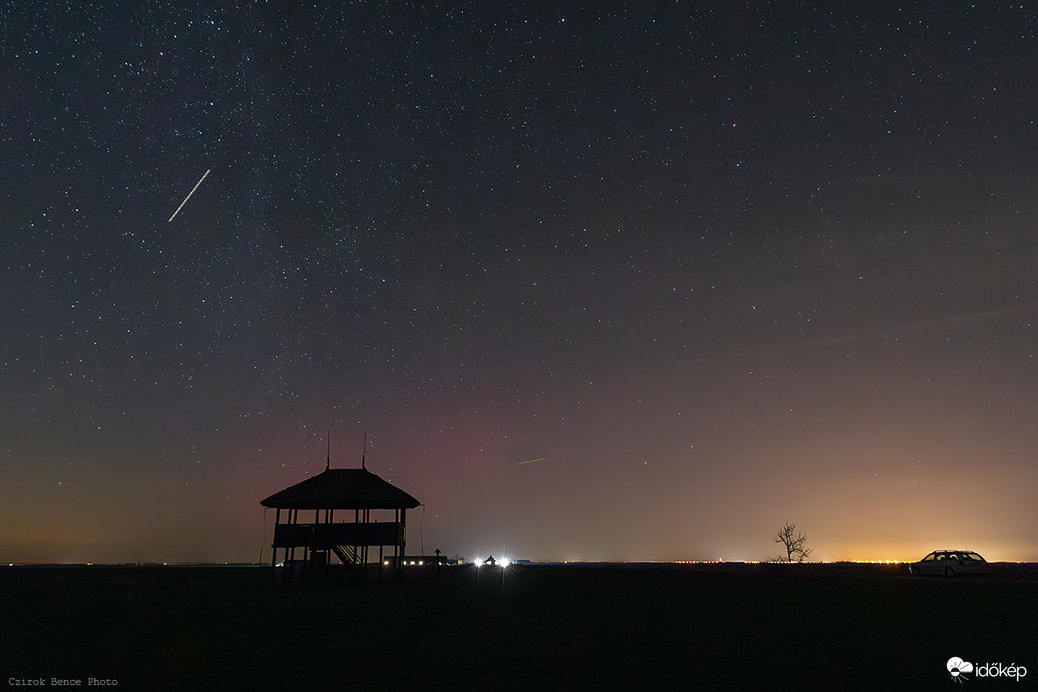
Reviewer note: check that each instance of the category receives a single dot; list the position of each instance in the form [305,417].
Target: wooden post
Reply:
[277,520]
[364,550]
[403,533]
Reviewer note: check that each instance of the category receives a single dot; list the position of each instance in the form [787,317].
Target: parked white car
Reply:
[948,563]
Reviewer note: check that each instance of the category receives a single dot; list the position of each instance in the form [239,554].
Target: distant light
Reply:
[505,561]
[479,561]
[386,563]
[421,562]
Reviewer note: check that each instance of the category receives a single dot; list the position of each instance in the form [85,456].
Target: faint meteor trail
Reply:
[530,461]
[924,325]
[189,194]
[919,155]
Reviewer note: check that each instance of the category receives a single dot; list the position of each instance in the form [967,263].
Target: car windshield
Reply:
[972,556]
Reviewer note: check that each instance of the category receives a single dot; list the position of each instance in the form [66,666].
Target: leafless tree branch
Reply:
[795,542]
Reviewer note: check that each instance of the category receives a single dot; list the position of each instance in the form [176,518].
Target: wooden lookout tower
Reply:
[351,509]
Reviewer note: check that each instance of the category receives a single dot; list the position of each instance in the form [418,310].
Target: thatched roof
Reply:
[342,489]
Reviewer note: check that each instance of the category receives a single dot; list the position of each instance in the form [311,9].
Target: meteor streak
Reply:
[530,461]
[189,194]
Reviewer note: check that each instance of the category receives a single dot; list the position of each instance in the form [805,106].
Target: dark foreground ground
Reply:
[529,627]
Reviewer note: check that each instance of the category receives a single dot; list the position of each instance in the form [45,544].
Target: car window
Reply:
[975,556]
[931,557]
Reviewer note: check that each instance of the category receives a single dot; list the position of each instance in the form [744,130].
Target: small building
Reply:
[353,511]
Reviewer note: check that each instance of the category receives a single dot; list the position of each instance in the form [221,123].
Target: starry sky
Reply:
[636,282]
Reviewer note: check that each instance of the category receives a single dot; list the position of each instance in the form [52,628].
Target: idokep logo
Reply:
[959,670]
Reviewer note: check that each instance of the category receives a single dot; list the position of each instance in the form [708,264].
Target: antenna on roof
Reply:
[364,451]
[328,452]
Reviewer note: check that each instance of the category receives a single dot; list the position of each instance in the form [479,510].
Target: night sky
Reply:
[623,283]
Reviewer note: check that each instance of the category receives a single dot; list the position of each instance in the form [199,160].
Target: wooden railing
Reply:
[327,536]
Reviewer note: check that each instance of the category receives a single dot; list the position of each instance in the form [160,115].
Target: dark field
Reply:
[532,627]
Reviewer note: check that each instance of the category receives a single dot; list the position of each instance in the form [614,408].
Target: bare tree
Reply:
[795,542]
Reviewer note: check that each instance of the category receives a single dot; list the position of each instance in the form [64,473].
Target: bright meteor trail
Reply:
[189,194]
[530,461]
